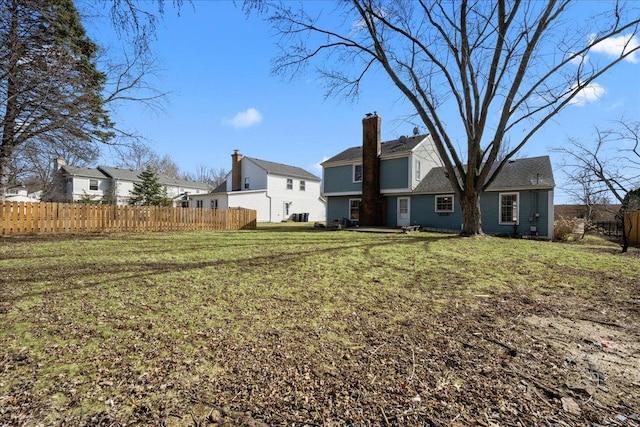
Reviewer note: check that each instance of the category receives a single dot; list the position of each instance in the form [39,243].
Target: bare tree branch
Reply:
[504,65]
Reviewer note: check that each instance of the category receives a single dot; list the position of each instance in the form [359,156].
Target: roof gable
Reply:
[81,171]
[282,169]
[402,145]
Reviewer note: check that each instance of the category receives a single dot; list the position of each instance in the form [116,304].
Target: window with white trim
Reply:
[303,185]
[214,204]
[508,208]
[354,209]
[289,184]
[444,203]
[199,203]
[357,173]
[93,184]
[247,183]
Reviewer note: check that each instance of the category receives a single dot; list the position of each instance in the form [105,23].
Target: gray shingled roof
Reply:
[80,171]
[222,188]
[402,144]
[283,170]
[132,175]
[532,172]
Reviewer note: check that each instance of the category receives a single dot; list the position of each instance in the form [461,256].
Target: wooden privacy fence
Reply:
[614,228]
[24,217]
[632,224]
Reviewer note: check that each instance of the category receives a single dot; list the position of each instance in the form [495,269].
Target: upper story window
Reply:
[508,208]
[302,185]
[444,203]
[357,173]
[247,183]
[418,173]
[93,184]
[289,184]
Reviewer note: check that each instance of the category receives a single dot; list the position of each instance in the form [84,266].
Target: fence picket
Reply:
[27,217]
[634,221]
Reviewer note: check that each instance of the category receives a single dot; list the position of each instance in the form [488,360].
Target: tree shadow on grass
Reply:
[119,273]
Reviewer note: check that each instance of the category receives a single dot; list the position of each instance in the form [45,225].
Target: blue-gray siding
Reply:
[423,212]
[530,203]
[339,179]
[338,208]
[394,173]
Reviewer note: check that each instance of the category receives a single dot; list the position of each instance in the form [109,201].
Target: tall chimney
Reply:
[371,203]
[236,171]
[59,162]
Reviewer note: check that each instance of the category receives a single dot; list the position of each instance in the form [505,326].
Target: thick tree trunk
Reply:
[8,121]
[471,215]
[4,172]
[625,230]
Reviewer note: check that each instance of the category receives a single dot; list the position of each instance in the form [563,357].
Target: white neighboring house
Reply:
[107,183]
[276,191]
[19,193]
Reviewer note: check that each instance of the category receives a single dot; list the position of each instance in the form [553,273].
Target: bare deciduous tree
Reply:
[139,156]
[611,164]
[33,162]
[506,67]
[608,166]
[211,176]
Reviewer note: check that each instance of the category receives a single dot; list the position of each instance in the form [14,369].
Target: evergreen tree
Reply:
[149,191]
[50,87]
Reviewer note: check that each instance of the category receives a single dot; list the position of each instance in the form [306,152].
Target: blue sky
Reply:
[216,64]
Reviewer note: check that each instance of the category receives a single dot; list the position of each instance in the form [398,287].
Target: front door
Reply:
[286,210]
[403,211]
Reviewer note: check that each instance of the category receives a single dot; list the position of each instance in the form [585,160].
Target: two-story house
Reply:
[114,185]
[277,192]
[401,182]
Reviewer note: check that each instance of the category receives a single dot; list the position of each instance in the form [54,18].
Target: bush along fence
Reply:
[24,217]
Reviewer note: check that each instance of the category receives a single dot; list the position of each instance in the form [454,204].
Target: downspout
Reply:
[266,193]
[269,197]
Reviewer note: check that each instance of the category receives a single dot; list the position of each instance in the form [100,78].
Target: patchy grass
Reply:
[291,325]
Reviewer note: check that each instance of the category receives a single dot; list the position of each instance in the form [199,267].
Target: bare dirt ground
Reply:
[497,362]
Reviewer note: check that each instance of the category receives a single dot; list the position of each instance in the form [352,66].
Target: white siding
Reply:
[206,200]
[257,176]
[228,182]
[80,188]
[307,201]
[256,200]
[123,191]
[267,195]
[427,155]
